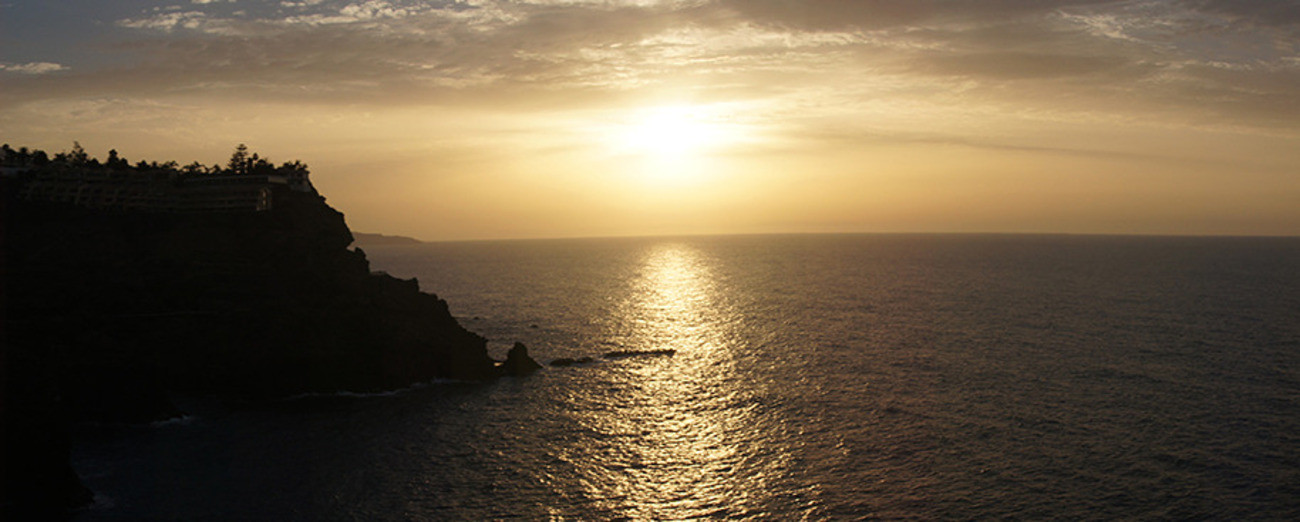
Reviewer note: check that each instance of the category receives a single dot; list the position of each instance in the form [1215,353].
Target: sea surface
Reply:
[815,377]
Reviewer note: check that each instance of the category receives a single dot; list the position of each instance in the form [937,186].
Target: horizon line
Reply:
[893,233]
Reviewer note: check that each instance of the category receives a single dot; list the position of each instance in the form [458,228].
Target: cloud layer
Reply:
[1233,62]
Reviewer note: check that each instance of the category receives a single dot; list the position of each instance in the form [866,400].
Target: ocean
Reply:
[814,377]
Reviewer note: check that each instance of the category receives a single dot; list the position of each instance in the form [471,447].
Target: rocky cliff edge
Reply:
[105,312]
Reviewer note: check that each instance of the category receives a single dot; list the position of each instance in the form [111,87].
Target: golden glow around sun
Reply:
[672,142]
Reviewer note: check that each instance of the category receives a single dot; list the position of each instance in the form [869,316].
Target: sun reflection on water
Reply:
[673,419]
[673,304]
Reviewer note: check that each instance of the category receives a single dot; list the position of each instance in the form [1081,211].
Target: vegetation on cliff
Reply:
[242,162]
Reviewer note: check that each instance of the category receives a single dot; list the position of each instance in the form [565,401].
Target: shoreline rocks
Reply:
[620,354]
[518,363]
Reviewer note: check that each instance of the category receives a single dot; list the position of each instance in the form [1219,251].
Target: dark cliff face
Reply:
[106,311]
[255,303]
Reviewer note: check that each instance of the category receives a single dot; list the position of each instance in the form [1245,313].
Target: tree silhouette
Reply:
[242,162]
[239,160]
[78,155]
[116,163]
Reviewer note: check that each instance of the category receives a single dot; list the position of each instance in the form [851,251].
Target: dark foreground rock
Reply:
[39,482]
[106,312]
[257,303]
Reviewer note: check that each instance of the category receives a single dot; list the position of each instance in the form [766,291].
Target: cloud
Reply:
[1190,60]
[1018,65]
[168,22]
[884,14]
[1262,12]
[32,67]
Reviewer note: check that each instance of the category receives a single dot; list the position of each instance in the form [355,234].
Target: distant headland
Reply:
[124,283]
[364,239]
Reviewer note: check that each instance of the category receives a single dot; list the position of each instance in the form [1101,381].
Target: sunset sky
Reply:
[479,119]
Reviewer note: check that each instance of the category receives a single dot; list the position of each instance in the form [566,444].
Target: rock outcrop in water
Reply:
[621,354]
[518,363]
[109,309]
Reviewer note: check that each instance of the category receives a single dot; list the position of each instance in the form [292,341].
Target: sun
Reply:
[669,133]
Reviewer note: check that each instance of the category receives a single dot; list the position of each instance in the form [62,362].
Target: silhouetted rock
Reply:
[638,353]
[565,361]
[518,362]
[108,310]
[128,393]
[246,303]
[39,482]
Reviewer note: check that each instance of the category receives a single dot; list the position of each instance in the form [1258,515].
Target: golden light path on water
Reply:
[675,421]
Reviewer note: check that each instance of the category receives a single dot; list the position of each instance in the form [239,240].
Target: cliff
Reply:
[107,311]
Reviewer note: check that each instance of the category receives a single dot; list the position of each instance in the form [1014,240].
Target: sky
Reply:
[486,119]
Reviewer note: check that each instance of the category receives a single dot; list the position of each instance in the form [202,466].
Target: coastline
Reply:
[108,310]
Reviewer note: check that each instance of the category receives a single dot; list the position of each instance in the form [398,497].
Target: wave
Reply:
[348,394]
[183,420]
[100,502]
